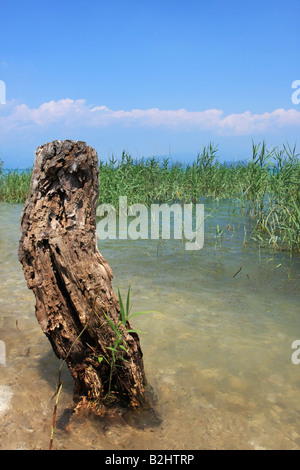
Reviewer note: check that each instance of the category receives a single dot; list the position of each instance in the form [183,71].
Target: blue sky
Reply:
[151,77]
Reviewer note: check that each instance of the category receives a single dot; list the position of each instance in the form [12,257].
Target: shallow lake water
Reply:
[217,356]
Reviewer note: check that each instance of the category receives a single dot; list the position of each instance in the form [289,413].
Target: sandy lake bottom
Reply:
[217,356]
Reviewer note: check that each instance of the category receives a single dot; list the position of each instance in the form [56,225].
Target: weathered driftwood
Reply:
[70,278]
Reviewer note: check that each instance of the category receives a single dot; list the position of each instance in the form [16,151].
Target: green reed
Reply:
[266,187]
[14,185]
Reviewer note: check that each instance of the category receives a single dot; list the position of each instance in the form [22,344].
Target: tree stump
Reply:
[76,306]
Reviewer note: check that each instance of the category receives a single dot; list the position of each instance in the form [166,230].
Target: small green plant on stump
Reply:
[119,348]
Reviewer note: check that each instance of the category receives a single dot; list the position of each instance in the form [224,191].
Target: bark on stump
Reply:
[70,278]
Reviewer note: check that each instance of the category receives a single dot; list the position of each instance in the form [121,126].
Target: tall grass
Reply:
[266,187]
[14,185]
[275,204]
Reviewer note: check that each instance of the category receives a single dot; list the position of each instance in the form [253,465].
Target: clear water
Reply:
[217,357]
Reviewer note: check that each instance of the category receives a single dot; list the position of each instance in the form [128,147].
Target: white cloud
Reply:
[77,113]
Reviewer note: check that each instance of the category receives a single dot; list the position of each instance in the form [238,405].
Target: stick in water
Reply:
[54,414]
[238,271]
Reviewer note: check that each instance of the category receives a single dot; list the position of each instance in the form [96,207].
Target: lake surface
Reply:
[217,356]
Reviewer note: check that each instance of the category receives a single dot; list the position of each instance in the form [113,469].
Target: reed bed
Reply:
[266,187]
[14,185]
